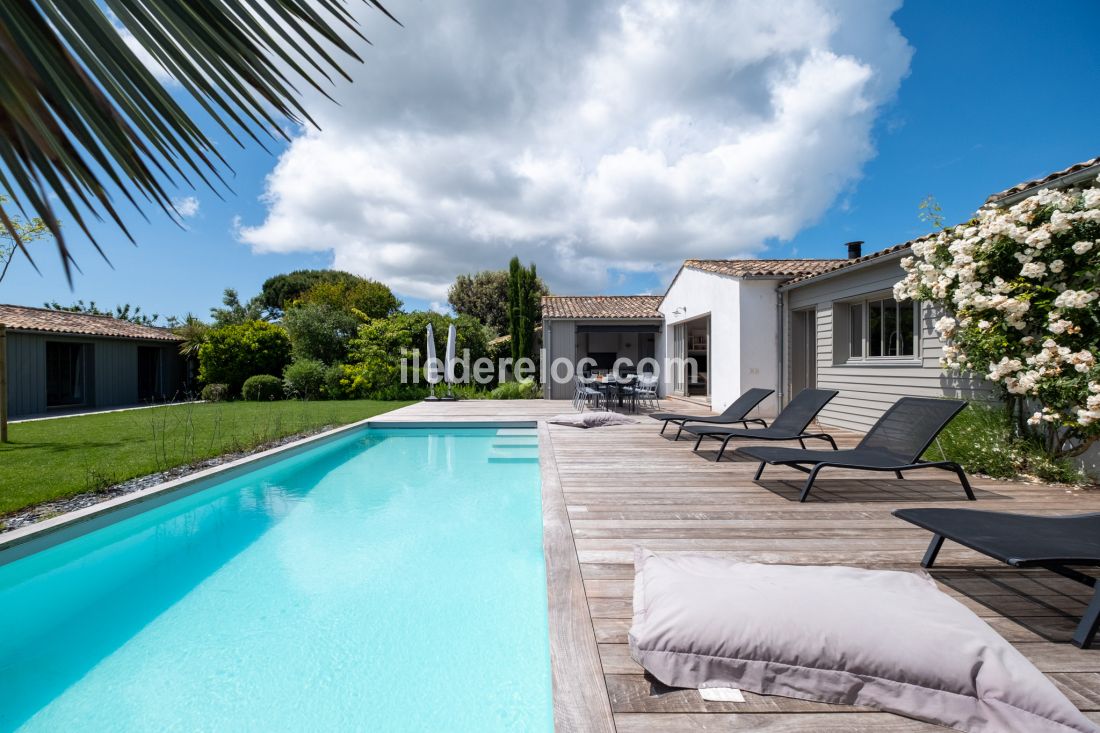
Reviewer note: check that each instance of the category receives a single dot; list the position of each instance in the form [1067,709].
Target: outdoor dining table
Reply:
[614,386]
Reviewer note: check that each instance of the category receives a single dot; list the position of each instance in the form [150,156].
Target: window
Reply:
[64,374]
[855,331]
[882,328]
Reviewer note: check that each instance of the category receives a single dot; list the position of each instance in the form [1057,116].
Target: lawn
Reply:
[51,459]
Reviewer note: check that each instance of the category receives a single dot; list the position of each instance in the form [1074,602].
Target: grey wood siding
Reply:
[866,390]
[26,374]
[112,376]
[116,364]
[171,373]
[560,337]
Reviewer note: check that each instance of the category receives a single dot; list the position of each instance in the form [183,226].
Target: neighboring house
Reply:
[791,324]
[603,328]
[58,360]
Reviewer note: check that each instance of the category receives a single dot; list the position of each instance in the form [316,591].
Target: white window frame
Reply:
[865,358]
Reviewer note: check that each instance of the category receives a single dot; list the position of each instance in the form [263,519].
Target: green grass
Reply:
[980,441]
[52,459]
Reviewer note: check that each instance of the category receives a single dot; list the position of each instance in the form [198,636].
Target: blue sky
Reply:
[994,93]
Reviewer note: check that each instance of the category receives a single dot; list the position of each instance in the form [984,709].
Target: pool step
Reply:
[514,443]
[513,459]
[514,454]
[517,432]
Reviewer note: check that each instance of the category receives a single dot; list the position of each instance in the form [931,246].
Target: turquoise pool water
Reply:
[387,581]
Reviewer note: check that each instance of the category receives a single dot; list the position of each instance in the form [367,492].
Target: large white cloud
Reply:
[584,136]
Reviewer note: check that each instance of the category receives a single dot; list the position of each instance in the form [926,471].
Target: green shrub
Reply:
[320,331]
[305,379]
[374,370]
[524,389]
[981,440]
[232,354]
[336,383]
[467,391]
[215,392]
[262,388]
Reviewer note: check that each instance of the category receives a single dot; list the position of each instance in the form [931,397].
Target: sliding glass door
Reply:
[679,355]
[65,374]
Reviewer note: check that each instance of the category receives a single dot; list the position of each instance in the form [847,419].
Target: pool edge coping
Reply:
[42,535]
[581,702]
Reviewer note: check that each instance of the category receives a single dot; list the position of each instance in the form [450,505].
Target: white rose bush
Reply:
[1019,287]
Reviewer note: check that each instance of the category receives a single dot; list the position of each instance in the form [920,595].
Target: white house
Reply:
[784,325]
[725,317]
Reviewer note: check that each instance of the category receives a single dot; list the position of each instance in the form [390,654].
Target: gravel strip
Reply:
[50,509]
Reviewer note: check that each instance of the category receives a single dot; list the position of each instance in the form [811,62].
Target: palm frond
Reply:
[80,114]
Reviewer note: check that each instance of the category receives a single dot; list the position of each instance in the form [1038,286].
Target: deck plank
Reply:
[627,486]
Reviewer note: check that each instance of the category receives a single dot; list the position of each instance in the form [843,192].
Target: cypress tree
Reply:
[523,304]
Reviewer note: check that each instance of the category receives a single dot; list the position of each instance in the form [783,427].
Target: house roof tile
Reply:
[26,318]
[762,268]
[841,264]
[601,306]
[1049,178]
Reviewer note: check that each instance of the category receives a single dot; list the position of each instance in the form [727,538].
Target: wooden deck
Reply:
[608,490]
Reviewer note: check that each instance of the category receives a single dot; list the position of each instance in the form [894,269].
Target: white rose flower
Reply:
[1074,299]
[1057,266]
[1082,247]
[1059,222]
[1033,270]
[946,325]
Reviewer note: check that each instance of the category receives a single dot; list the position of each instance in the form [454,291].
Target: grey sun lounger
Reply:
[789,424]
[732,415]
[895,443]
[1022,541]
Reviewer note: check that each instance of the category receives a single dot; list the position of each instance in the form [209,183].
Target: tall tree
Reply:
[79,111]
[233,312]
[124,312]
[365,298]
[280,291]
[319,331]
[523,306]
[484,296]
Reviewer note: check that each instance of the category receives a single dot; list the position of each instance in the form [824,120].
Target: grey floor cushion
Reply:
[884,639]
[591,419]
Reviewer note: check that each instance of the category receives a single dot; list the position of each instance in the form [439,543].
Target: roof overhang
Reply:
[653,327]
[51,333]
[871,262]
[1065,181]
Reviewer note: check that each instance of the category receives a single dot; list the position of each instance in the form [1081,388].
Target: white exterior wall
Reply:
[759,367]
[743,338]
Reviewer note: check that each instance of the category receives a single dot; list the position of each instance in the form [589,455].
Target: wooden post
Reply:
[3,383]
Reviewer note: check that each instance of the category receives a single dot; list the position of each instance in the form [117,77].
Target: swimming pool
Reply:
[387,580]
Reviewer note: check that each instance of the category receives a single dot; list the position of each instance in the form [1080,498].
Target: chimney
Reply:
[855,250]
